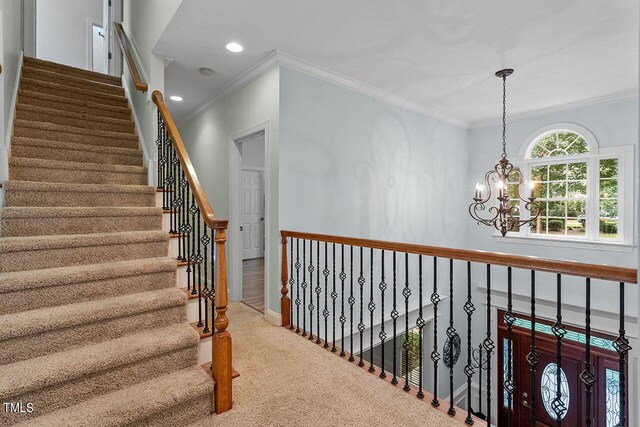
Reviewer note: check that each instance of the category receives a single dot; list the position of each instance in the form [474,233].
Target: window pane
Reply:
[608,188]
[612,389]
[558,189]
[507,368]
[577,170]
[557,208]
[539,226]
[540,190]
[609,228]
[576,208]
[608,209]
[557,172]
[577,189]
[556,226]
[579,146]
[549,386]
[609,168]
[513,190]
[539,173]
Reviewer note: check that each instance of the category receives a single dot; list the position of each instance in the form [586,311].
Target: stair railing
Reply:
[201,234]
[338,283]
[201,244]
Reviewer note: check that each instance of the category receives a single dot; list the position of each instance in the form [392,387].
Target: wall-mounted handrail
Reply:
[594,271]
[124,42]
[206,210]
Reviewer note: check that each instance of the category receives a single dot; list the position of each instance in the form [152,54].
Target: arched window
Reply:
[583,190]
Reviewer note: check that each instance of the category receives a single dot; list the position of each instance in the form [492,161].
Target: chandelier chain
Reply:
[504,117]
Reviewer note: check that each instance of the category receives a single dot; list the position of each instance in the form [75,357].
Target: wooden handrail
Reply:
[135,74]
[208,215]
[594,271]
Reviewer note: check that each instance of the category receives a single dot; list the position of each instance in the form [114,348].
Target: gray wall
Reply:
[12,23]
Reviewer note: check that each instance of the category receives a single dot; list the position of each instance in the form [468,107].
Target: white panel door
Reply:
[252,214]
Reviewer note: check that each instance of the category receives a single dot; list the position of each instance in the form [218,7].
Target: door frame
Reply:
[235,211]
[90,24]
[261,170]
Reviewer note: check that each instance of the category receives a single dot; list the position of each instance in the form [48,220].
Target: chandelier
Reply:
[507,183]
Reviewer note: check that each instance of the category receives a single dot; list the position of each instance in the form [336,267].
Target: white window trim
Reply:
[625,155]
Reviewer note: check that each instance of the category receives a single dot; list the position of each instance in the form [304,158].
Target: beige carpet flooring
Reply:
[286,380]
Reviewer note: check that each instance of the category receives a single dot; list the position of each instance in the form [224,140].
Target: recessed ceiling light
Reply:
[208,72]
[234,47]
[175,98]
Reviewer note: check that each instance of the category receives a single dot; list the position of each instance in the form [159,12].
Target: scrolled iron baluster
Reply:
[420,323]
[587,376]
[532,358]
[159,150]
[394,316]
[311,306]
[291,283]
[382,335]
[343,319]
[406,293]
[372,308]
[352,302]
[325,312]
[298,285]
[469,370]
[184,216]
[621,344]
[361,282]
[451,334]
[559,331]
[509,319]
[197,270]
[334,296]
[318,292]
[488,344]
[205,240]
[304,288]
[435,355]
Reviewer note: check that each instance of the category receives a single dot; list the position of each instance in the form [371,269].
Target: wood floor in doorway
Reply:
[253,283]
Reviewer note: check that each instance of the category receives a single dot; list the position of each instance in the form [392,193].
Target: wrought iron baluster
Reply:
[394,316]
[509,319]
[469,371]
[325,313]
[174,189]
[179,216]
[406,293]
[532,357]
[298,285]
[291,283]
[334,296]
[311,307]
[622,346]
[343,319]
[372,308]
[451,334]
[587,376]
[382,335]
[559,331]
[304,288]
[205,240]
[352,301]
[318,292]
[361,282]
[171,192]
[197,269]
[488,344]
[191,253]
[420,324]
[158,148]
[166,166]
[435,355]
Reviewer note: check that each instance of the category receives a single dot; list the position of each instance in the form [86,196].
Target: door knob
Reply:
[241,228]
[525,404]
[525,395]
[261,219]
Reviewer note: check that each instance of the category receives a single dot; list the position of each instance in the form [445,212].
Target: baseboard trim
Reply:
[273,317]
[5,148]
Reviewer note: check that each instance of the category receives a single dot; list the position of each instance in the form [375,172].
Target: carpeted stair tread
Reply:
[40,221]
[40,252]
[71,80]
[33,289]
[75,105]
[135,405]
[71,92]
[33,193]
[41,64]
[63,117]
[36,148]
[27,169]
[22,280]
[58,380]
[42,331]
[55,132]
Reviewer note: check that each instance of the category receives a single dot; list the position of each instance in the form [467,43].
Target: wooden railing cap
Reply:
[594,271]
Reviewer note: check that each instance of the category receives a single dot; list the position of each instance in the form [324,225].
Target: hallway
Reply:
[253,283]
[286,380]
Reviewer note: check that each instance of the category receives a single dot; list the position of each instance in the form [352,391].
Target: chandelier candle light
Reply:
[505,215]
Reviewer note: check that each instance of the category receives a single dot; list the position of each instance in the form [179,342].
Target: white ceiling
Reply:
[438,54]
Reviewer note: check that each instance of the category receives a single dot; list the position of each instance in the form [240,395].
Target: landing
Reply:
[288,381]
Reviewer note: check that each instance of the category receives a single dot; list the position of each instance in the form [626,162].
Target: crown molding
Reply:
[607,99]
[278,58]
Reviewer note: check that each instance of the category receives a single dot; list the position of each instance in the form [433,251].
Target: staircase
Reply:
[94,328]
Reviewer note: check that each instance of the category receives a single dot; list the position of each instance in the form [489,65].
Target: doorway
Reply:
[249,200]
[606,391]
[97,48]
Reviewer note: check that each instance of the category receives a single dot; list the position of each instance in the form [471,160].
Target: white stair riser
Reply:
[173,248]
[204,354]
[158,200]
[181,276]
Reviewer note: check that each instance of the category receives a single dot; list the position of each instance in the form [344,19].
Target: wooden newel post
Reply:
[222,369]
[285,301]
